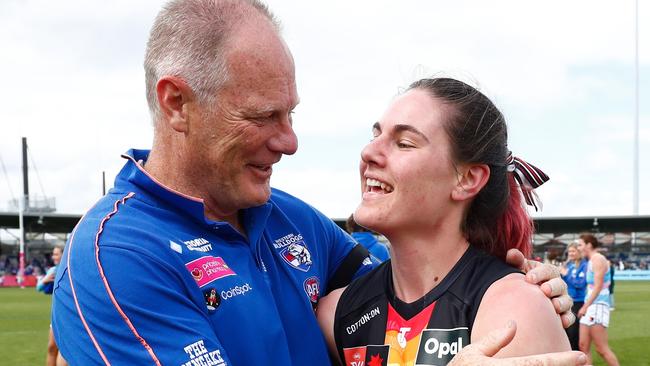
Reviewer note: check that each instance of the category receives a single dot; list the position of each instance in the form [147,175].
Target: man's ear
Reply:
[173,97]
[471,181]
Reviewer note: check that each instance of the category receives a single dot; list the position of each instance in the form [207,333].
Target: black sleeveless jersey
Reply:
[372,327]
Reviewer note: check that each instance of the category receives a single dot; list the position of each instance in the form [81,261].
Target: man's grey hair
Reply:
[188,39]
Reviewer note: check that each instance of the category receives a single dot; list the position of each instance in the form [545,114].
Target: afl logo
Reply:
[312,289]
[297,256]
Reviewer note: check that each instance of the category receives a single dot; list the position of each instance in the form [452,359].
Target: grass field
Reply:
[24,322]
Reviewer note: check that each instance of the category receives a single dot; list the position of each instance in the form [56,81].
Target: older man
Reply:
[193,259]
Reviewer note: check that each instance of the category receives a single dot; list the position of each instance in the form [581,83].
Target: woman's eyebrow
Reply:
[408,128]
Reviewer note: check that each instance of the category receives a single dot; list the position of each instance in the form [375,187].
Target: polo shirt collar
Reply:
[254,218]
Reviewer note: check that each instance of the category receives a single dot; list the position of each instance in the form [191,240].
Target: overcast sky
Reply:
[562,72]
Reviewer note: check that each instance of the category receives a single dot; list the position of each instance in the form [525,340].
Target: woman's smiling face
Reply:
[407,173]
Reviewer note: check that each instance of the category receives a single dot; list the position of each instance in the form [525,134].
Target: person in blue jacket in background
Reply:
[368,239]
[574,273]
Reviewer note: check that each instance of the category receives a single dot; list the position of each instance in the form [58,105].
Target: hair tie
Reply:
[528,176]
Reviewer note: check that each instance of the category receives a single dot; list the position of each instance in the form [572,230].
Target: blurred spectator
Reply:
[611,286]
[45,284]
[574,273]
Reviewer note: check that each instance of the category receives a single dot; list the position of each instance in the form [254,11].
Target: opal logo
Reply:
[439,346]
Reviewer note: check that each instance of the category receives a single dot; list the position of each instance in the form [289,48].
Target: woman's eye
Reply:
[404,144]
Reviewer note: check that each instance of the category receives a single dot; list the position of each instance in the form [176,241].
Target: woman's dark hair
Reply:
[590,239]
[496,220]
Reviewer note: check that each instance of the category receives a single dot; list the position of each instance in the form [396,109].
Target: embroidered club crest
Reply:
[297,255]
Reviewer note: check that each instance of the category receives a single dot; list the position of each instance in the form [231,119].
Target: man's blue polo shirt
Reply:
[146,279]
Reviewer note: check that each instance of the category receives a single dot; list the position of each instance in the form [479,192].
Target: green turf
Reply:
[25,318]
[629,325]
[24,326]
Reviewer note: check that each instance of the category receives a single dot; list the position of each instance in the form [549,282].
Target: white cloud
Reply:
[561,71]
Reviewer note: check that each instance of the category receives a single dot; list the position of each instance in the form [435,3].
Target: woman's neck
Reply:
[421,262]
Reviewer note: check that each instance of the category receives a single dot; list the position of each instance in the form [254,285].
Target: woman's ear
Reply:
[470,182]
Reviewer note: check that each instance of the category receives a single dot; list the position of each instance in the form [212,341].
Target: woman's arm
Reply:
[325,314]
[539,328]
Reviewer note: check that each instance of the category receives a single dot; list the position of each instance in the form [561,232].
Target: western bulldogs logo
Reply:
[297,256]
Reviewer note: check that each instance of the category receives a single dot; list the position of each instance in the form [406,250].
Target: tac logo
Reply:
[312,289]
[297,255]
[439,346]
[212,299]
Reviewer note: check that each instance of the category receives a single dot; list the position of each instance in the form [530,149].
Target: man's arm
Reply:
[481,352]
[325,315]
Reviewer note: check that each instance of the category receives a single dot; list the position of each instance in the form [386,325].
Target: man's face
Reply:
[248,127]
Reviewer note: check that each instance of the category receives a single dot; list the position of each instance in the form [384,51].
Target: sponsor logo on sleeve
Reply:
[207,269]
[200,355]
[439,346]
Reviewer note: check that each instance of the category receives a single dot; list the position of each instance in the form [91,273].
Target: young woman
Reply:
[594,313]
[439,182]
[574,273]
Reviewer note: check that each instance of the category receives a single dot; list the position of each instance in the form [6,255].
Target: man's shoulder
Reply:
[119,220]
[281,197]
[292,205]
